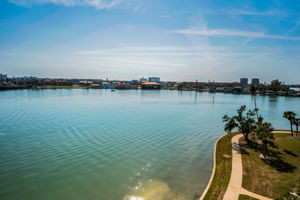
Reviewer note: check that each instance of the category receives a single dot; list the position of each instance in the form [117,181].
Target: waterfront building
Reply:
[237,90]
[294,91]
[25,78]
[95,86]
[281,93]
[228,90]
[246,90]
[255,81]
[211,89]
[270,92]
[150,85]
[154,79]
[220,89]
[244,81]
[143,79]
[3,77]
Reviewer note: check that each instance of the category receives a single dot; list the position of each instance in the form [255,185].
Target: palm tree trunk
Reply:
[255,106]
[246,137]
[265,149]
[292,132]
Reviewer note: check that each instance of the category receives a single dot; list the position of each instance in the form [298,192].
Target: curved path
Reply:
[282,131]
[234,188]
[235,182]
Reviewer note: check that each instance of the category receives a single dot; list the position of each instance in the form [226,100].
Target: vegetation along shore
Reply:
[270,159]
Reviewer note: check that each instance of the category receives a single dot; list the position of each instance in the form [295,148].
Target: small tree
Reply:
[290,115]
[265,135]
[296,122]
[244,122]
[230,124]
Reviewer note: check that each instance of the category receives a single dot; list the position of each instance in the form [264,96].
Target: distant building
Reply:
[154,79]
[255,81]
[294,91]
[150,85]
[244,81]
[25,78]
[237,90]
[246,90]
[220,89]
[143,79]
[211,89]
[3,77]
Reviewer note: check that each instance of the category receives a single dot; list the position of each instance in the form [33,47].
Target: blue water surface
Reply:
[98,144]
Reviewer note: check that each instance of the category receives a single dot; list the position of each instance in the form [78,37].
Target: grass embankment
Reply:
[279,175]
[223,169]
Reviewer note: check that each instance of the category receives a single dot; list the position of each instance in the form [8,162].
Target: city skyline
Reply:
[128,39]
[249,80]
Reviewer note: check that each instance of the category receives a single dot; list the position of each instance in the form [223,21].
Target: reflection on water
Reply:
[154,190]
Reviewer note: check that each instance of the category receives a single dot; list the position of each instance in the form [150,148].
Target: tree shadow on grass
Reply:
[273,145]
[290,153]
[277,163]
[244,145]
[243,149]
[275,157]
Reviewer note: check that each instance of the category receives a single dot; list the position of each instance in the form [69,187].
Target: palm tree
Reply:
[290,115]
[296,122]
[265,134]
[253,90]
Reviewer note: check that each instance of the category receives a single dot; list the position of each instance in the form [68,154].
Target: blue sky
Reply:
[174,39]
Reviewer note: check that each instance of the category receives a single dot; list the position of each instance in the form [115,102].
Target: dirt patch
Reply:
[226,156]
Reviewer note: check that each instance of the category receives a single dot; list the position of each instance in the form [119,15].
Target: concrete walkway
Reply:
[289,132]
[234,188]
[235,182]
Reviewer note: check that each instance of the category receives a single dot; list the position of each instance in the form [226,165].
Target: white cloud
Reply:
[246,12]
[99,4]
[236,33]
[258,13]
[152,50]
[262,13]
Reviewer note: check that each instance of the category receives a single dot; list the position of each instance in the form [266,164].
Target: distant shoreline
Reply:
[86,87]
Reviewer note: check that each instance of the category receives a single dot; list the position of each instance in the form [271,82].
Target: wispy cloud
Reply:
[261,13]
[151,50]
[232,33]
[99,4]
[246,12]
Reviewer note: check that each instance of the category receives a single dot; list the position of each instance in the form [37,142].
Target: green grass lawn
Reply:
[223,169]
[245,197]
[277,176]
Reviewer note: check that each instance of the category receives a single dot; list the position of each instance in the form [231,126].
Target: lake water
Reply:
[102,145]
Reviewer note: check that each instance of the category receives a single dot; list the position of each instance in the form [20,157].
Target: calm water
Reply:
[98,144]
